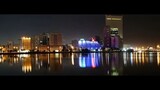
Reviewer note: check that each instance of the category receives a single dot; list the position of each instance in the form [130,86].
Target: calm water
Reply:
[108,64]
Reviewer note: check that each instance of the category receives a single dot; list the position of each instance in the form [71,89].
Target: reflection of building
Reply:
[26,43]
[115,64]
[51,62]
[89,60]
[27,65]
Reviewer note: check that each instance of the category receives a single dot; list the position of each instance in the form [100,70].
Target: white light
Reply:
[56,50]
[24,55]
[140,51]
[123,49]
[23,51]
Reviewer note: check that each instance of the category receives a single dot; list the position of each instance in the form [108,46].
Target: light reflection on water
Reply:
[133,63]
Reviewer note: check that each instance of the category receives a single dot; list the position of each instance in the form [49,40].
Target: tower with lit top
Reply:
[113,32]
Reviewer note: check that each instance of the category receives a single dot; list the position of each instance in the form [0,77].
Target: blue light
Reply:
[90,61]
[82,62]
[89,44]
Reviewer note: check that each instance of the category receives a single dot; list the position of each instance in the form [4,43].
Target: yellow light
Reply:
[158,60]
[72,59]
[72,47]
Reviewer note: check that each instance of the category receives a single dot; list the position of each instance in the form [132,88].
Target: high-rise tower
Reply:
[113,32]
[116,24]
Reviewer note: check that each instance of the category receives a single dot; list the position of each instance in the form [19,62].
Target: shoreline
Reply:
[72,52]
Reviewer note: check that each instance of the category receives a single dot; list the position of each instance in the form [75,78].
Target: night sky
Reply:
[138,29]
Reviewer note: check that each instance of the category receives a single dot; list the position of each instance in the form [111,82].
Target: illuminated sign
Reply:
[114,19]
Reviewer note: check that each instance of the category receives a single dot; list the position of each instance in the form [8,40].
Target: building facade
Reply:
[116,24]
[113,32]
[47,42]
[25,43]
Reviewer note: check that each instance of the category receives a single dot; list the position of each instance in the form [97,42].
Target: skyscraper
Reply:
[107,37]
[116,24]
[113,32]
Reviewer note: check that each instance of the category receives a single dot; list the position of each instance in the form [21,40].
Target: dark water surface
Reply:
[77,64]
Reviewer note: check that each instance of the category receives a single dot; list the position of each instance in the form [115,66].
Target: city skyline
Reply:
[138,29]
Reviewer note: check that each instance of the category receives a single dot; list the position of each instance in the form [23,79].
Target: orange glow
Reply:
[143,58]
[158,60]
[26,65]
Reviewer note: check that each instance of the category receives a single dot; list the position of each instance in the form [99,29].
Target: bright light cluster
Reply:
[91,45]
[26,38]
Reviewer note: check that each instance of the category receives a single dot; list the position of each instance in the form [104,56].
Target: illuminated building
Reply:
[47,42]
[10,45]
[55,41]
[107,36]
[116,24]
[91,45]
[40,42]
[44,39]
[35,42]
[113,32]
[115,42]
[26,43]
[98,39]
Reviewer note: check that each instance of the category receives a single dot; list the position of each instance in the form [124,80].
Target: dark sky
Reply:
[138,29]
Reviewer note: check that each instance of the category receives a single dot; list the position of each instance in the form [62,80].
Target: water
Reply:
[77,64]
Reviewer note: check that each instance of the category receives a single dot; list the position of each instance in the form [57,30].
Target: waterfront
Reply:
[77,64]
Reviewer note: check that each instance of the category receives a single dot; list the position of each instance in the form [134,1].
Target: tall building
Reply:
[113,32]
[35,42]
[26,43]
[44,39]
[107,37]
[116,24]
[47,42]
[55,39]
